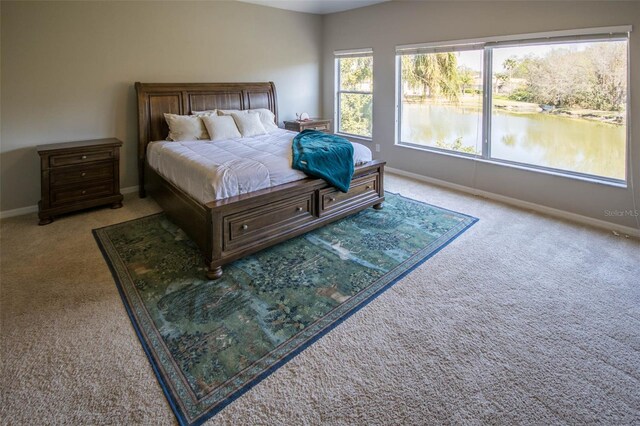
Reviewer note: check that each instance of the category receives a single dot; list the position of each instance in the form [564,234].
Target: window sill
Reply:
[356,137]
[495,162]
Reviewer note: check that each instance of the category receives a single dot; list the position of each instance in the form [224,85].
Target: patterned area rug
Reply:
[211,341]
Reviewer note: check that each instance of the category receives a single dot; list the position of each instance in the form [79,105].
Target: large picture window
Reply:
[442,100]
[553,103]
[354,97]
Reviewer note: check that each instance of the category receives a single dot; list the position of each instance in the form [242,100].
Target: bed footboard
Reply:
[249,223]
[235,227]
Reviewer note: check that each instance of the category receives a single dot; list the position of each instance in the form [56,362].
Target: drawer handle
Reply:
[83,174]
[368,187]
[84,157]
[245,226]
[84,192]
[332,199]
[298,209]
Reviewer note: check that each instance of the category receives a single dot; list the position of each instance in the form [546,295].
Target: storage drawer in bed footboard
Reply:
[267,222]
[362,189]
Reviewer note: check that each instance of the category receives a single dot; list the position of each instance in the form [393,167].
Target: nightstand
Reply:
[78,175]
[313,124]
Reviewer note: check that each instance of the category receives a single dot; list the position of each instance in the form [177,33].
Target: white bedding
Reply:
[215,170]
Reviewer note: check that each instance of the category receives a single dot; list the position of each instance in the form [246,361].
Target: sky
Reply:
[473,58]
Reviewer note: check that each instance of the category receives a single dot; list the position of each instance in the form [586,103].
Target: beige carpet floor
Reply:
[524,319]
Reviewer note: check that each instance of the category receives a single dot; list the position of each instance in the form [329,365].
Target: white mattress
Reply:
[211,171]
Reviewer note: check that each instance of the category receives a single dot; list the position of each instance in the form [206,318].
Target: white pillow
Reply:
[232,111]
[249,124]
[207,112]
[221,127]
[185,128]
[267,117]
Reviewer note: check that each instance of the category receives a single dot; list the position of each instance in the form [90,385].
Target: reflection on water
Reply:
[539,139]
[437,125]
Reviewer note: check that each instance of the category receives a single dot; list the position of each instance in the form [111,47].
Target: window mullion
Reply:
[487,102]
[336,114]
[398,99]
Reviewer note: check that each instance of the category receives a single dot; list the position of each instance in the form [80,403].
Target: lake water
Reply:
[540,139]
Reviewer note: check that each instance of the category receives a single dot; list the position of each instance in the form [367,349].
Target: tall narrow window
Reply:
[555,101]
[354,97]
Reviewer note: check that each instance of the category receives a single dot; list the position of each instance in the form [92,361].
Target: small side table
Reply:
[78,175]
[313,124]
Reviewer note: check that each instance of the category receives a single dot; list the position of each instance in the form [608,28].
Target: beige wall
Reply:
[68,70]
[386,25]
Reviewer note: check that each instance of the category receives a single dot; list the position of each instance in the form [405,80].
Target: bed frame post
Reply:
[214,272]
[213,248]
[379,206]
[143,137]
[142,192]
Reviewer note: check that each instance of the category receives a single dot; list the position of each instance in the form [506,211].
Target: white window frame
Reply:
[341,54]
[487,44]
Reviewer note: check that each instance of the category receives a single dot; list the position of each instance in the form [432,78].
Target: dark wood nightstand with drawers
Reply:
[313,124]
[78,175]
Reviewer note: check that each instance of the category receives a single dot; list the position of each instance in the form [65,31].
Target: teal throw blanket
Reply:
[326,156]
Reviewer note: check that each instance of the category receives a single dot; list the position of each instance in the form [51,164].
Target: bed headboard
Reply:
[154,99]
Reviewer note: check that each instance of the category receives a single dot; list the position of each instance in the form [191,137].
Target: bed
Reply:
[230,227]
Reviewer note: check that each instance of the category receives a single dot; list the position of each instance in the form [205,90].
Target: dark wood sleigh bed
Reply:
[228,229]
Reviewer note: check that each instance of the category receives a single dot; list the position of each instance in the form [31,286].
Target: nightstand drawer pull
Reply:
[84,157]
[298,209]
[84,192]
[83,174]
[245,227]
[368,187]
[332,199]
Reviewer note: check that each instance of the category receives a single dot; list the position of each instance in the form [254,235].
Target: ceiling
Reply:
[320,7]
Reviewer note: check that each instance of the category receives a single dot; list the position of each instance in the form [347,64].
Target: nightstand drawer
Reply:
[316,124]
[80,157]
[320,127]
[65,175]
[81,192]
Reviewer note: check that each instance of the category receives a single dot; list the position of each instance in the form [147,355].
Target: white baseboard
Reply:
[626,230]
[129,189]
[18,212]
[33,209]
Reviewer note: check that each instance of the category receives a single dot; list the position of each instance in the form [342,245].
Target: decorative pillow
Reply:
[267,117]
[221,127]
[185,127]
[249,124]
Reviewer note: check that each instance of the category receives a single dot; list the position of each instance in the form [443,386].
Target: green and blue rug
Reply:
[211,341]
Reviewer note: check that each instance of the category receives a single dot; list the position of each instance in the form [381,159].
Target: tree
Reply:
[436,74]
[510,64]
[356,108]
[356,73]
[609,76]
[466,77]
[501,79]
[591,78]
